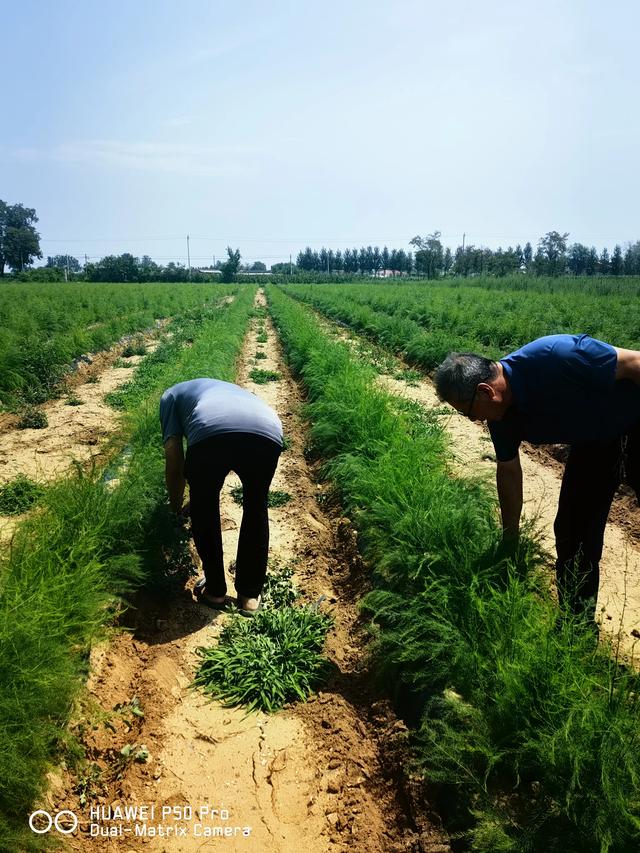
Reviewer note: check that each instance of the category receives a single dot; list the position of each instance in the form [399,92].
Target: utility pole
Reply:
[188,258]
[290,266]
[214,261]
[463,236]
[66,272]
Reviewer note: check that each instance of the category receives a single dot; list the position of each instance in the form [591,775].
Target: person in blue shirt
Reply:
[564,389]
[226,429]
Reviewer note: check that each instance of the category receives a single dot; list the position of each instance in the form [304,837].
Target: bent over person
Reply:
[559,389]
[227,429]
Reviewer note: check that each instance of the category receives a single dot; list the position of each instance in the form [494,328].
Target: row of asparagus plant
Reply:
[528,729]
[85,549]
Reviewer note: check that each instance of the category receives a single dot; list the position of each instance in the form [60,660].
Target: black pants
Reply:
[254,459]
[592,474]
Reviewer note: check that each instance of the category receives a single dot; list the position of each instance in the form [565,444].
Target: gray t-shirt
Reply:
[201,408]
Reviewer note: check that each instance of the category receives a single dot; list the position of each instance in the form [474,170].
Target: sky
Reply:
[270,126]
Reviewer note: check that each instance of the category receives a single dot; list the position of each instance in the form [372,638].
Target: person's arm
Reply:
[509,482]
[628,365]
[174,471]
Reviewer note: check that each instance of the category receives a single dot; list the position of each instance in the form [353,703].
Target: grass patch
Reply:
[33,418]
[260,354]
[73,400]
[275,498]
[262,338]
[267,661]
[19,495]
[261,377]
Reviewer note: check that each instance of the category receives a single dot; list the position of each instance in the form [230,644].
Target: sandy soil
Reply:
[326,775]
[74,433]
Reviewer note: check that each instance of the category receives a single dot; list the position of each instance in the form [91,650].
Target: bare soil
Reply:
[325,775]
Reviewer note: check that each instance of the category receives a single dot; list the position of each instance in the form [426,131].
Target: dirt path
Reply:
[317,777]
[472,453]
[74,433]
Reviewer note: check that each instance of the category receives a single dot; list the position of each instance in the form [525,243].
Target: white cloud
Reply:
[162,157]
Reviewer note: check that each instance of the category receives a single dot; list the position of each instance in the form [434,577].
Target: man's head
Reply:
[474,385]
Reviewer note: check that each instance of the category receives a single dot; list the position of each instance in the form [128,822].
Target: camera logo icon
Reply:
[42,822]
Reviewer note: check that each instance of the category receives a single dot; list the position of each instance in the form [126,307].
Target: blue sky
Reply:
[271,126]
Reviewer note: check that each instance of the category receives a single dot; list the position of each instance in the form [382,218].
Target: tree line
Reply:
[553,256]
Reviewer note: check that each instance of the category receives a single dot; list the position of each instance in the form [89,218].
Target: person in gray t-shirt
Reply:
[227,429]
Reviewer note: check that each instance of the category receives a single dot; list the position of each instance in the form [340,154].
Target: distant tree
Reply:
[231,265]
[338,261]
[554,250]
[258,266]
[149,269]
[591,267]
[429,255]
[386,259]
[410,265]
[527,257]
[64,262]
[376,260]
[284,268]
[19,240]
[604,265]
[362,260]
[577,259]
[617,264]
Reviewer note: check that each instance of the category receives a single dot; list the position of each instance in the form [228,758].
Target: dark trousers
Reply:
[254,459]
[591,477]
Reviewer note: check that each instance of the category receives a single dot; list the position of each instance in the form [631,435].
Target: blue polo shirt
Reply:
[564,392]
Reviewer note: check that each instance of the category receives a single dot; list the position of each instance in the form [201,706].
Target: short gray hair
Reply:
[459,375]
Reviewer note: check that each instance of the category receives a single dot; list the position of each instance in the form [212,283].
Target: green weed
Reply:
[19,495]
[261,377]
[275,498]
[33,418]
[267,661]
[260,354]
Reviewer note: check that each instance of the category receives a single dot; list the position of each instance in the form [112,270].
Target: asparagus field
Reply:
[429,699]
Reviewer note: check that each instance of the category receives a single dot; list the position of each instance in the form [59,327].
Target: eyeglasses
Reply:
[467,414]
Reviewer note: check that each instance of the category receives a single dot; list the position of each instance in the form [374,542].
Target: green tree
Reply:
[616,261]
[64,262]
[554,250]
[231,265]
[430,255]
[258,266]
[19,240]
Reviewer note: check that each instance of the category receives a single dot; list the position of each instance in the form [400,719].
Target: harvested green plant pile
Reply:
[275,499]
[266,661]
[261,377]
[19,495]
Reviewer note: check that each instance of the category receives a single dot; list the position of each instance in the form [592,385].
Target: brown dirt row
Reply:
[77,433]
[326,775]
